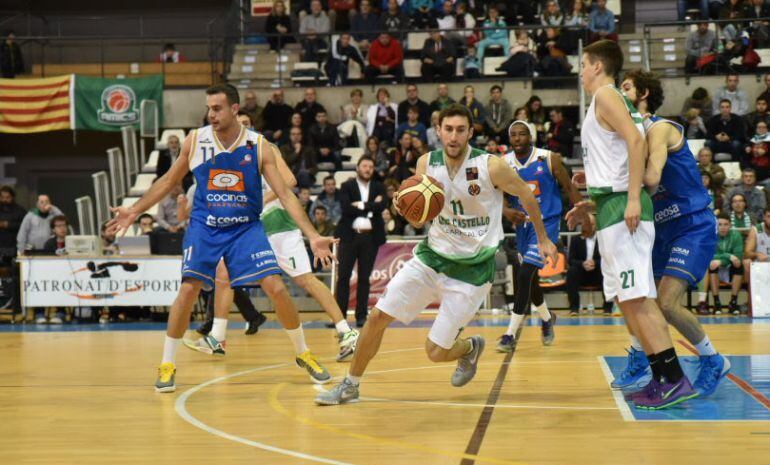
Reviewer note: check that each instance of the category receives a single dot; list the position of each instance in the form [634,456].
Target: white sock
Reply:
[636,344]
[354,380]
[705,348]
[169,349]
[342,326]
[514,324]
[219,330]
[702,297]
[297,339]
[542,310]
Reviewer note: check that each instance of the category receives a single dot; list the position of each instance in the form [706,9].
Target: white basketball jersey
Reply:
[763,240]
[605,153]
[470,222]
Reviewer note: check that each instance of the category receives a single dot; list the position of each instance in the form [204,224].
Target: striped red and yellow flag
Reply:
[36,105]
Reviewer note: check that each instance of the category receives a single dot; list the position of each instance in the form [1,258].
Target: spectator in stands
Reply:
[321,221]
[699,100]
[168,213]
[365,25]
[561,134]
[727,263]
[495,33]
[445,21]
[324,139]
[167,157]
[521,62]
[308,108]
[108,240]
[757,245]
[499,116]
[718,196]
[355,109]
[434,141]
[304,199]
[726,132]
[700,42]
[682,6]
[403,162]
[739,217]
[471,64]
[316,25]
[579,15]
[343,51]
[295,122]
[386,56]
[754,197]
[413,100]
[375,151]
[418,147]
[476,108]
[35,228]
[381,118]
[146,224]
[552,53]
[537,115]
[443,99]
[757,156]
[412,125]
[522,114]
[760,30]
[760,113]
[254,110]
[421,13]
[766,91]
[340,13]
[329,198]
[394,20]
[694,126]
[584,269]
[11,217]
[300,158]
[730,91]
[466,21]
[601,23]
[11,59]
[732,9]
[438,58]
[706,164]
[55,244]
[552,16]
[391,227]
[170,55]
[278,25]
[277,116]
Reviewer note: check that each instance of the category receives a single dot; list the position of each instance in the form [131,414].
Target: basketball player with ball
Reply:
[461,189]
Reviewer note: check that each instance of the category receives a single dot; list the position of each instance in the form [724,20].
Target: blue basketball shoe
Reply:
[637,373]
[712,369]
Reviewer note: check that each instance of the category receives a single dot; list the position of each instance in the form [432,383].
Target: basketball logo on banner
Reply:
[118,105]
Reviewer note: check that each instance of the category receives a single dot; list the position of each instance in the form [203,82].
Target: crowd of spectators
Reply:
[374,35]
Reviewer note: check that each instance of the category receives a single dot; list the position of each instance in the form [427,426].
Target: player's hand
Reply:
[548,250]
[322,250]
[124,218]
[515,216]
[579,214]
[633,214]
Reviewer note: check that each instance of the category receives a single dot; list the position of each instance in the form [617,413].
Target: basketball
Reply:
[420,198]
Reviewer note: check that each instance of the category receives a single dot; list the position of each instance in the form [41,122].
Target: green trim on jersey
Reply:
[436,158]
[595,192]
[278,220]
[611,208]
[477,270]
[475,153]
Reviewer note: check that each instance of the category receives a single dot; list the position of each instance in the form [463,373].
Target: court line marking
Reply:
[625,410]
[503,406]
[276,404]
[740,382]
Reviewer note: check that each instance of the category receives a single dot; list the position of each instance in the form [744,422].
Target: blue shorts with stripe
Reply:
[526,240]
[244,247]
[684,246]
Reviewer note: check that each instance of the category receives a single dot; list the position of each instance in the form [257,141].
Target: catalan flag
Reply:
[36,105]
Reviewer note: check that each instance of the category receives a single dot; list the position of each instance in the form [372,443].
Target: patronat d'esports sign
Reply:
[119,281]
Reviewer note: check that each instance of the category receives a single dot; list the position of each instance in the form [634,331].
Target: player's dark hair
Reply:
[230,92]
[494,88]
[320,207]
[645,81]
[609,53]
[700,93]
[328,177]
[145,215]
[749,170]
[9,190]
[415,109]
[723,216]
[761,97]
[725,100]
[363,159]
[57,219]
[455,109]
[243,113]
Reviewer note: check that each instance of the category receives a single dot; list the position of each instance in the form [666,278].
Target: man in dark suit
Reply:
[167,157]
[584,269]
[361,231]
[438,58]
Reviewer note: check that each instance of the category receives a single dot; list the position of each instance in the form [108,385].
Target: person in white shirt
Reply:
[731,92]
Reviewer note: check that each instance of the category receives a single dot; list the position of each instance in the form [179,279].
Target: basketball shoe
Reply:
[468,363]
[207,345]
[318,373]
[546,328]
[343,393]
[507,343]
[637,373]
[712,369]
[165,381]
[347,345]
[659,395]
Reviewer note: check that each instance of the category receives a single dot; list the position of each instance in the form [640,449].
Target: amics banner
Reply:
[118,281]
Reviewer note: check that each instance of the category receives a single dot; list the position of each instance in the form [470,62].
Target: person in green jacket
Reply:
[727,264]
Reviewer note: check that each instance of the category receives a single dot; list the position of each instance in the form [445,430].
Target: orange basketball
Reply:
[420,198]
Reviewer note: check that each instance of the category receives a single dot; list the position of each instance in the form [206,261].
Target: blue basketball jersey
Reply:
[536,171]
[229,185]
[681,189]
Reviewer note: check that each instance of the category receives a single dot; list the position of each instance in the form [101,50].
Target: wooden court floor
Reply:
[86,397]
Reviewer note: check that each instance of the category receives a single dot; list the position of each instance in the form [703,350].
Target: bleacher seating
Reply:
[491,64]
[163,142]
[152,162]
[342,176]
[732,171]
[142,183]
[128,201]
[175,74]
[355,153]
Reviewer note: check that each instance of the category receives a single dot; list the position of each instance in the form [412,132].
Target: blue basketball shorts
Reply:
[685,246]
[244,248]
[526,240]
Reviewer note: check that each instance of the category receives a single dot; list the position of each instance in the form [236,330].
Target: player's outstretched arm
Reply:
[125,216]
[506,179]
[612,110]
[286,174]
[320,245]
[658,141]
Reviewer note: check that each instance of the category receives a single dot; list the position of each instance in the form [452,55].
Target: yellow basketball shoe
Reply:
[318,373]
[165,381]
